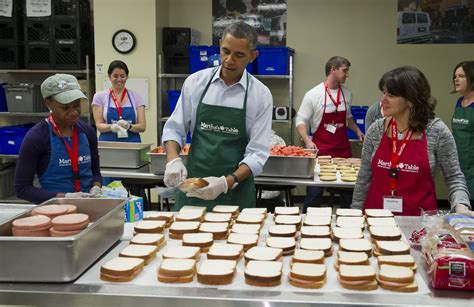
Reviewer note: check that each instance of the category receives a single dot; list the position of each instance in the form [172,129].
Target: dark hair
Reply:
[468,67]
[240,29]
[336,62]
[117,64]
[410,83]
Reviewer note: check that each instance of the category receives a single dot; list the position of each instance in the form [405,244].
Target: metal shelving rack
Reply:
[169,81]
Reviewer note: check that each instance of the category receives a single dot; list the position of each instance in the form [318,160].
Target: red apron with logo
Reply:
[414,181]
[334,144]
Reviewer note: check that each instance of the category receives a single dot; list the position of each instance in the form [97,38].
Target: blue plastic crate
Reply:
[11,138]
[215,60]
[358,112]
[199,56]
[173,96]
[273,60]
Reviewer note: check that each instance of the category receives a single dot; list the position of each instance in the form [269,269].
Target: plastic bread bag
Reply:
[450,261]
[429,220]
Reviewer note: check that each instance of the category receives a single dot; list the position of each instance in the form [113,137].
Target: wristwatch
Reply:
[236,181]
[129,127]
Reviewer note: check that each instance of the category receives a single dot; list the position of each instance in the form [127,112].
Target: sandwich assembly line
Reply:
[139,165]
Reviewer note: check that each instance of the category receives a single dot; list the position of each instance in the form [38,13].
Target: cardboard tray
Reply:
[53,259]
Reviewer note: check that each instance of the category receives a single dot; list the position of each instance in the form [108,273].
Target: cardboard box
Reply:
[134,209]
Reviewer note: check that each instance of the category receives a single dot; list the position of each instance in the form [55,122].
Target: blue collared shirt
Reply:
[258,115]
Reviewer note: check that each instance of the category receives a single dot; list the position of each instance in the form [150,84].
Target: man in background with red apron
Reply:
[326,112]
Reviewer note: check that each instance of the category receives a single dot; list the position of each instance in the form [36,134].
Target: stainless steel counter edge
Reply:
[72,294]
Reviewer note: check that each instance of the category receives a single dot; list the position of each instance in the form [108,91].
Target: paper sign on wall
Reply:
[38,8]
[6,8]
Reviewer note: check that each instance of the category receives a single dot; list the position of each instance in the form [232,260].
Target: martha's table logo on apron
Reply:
[219,128]
[403,167]
[82,159]
[462,121]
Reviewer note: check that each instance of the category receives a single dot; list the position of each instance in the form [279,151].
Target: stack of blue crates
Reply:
[199,56]
[11,138]
[358,112]
[274,60]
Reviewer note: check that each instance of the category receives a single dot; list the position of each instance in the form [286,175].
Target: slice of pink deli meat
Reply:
[35,222]
[50,210]
[68,222]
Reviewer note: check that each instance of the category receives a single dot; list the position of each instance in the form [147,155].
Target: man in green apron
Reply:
[229,113]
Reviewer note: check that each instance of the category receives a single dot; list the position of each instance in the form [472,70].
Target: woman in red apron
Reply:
[402,151]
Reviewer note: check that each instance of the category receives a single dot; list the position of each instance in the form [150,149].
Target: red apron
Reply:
[414,181]
[334,144]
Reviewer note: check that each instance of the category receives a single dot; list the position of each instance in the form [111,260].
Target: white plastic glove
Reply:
[124,124]
[463,209]
[217,186]
[95,191]
[175,173]
[114,127]
[77,195]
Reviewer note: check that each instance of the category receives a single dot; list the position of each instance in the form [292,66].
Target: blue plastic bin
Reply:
[273,60]
[173,96]
[358,112]
[199,56]
[215,60]
[252,67]
[11,138]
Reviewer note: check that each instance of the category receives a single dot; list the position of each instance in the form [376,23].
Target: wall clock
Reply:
[124,41]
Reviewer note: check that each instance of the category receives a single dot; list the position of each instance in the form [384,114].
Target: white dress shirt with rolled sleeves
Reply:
[258,115]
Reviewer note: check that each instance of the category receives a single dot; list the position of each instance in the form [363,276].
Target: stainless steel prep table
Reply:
[72,294]
[145,173]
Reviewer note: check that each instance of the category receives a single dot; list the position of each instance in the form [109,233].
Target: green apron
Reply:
[463,132]
[218,145]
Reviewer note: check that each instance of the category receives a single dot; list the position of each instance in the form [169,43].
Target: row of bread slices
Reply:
[57,220]
[348,168]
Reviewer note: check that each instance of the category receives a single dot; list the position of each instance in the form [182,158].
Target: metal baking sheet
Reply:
[8,211]
[282,166]
[123,154]
[158,162]
[55,259]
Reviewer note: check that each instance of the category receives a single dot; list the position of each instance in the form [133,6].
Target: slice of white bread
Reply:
[202,240]
[263,273]
[225,251]
[145,252]
[391,248]
[246,218]
[288,220]
[150,227]
[189,215]
[399,260]
[317,220]
[381,221]
[282,230]
[218,230]
[352,258]
[315,232]
[356,245]
[156,239]
[325,211]
[159,216]
[396,278]
[287,211]
[246,228]
[378,213]
[226,209]
[261,253]
[350,221]
[348,212]
[254,211]
[216,272]
[177,270]
[308,256]
[347,233]
[307,275]
[184,227]
[193,208]
[247,240]
[357,277]
[182,252]
[217,217]
[287,244]
[321,244]
[122,266]
[385,233]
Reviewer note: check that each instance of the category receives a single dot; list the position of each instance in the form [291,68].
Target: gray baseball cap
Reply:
[63,88]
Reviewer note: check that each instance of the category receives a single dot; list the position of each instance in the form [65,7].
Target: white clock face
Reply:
[123,41]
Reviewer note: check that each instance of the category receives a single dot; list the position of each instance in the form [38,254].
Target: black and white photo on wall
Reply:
[268,17]
[435,22]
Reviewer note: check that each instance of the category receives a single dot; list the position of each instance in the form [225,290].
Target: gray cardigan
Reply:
[441,153]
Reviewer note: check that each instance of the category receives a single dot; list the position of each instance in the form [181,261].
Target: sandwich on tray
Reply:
[155,239]
[201,240]
[260,253]
[216,272]
[385,233]
[233,210]
[246,228]
[150,227]
[308,256]
[326,211]
[287,211]
[350,221]
[357,277]
[225,251]
[378,213]
[145,252]
[348,212]
[246,240]
[317,220]
[287,244]
[321,244]
[391,248]
[254,211]
[346,233]
[198,208]
[307,275]
[218,230]
[396,278]
[121,269]
[189,216]
[381,221]
[218,217]
[177,270]
[398,260]
[263,273]
[350,258]
[356,245]
[282,231]
[315,232]
[247,218]
[177,229]
[288,220]
[160,216]
[182,252]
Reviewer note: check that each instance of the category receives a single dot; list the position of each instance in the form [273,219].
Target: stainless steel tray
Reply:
[53,259]
[295,167]
[7,211]
[123,154]
[158,162]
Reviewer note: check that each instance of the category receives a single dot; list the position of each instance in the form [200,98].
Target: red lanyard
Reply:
[119,108]
[336,102]
[72,153]
[396,155]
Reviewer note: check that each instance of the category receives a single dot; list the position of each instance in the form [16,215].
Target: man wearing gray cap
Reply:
[61,150]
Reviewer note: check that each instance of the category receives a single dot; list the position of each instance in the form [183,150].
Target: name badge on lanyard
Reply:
[392,202]
[122,133]
[331,128]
